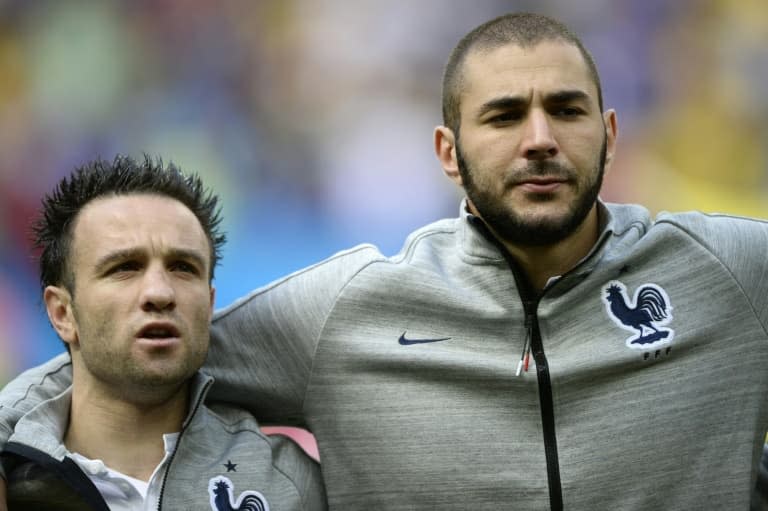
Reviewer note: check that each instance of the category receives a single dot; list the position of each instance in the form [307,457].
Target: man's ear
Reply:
[58,304]
[611,134]
[445,149]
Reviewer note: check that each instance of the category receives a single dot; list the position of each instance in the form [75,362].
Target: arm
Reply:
[29,389]
[263,346]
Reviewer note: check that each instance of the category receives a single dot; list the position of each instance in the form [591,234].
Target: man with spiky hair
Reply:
[543,351]
[127,263]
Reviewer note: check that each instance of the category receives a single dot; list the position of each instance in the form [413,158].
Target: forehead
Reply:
[149,222]
[512,70]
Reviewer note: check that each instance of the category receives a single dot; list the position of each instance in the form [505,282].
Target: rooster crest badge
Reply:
[645,315]
[222,497]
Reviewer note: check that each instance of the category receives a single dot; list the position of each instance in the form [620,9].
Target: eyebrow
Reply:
[116,256]
[566,96]
[502,103]
[521,102]
[136,253]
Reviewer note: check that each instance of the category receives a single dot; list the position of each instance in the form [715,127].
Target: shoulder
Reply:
[438,234]
[717,231]
[434,236]
[316,284]
[694,219]
[231,428]
[737,243]
[44,381]
[712,230]
[340,266]
[219,417]
[283,454]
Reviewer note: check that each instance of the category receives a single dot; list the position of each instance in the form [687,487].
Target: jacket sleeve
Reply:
[263,345]
[29,389]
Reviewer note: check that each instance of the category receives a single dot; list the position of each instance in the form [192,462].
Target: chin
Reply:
[547,216]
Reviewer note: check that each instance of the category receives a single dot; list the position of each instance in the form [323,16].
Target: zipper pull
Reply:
[525,358]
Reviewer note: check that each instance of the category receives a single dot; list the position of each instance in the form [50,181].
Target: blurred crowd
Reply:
[313,118]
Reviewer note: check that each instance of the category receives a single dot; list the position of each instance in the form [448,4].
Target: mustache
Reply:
[539,169]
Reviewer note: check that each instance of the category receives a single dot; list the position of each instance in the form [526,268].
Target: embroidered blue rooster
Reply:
[651,308]
[220,491]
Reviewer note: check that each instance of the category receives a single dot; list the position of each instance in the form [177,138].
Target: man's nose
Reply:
[538,139]
[158,292]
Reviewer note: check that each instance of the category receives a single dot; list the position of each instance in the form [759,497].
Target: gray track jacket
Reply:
[646,388]
[221,458]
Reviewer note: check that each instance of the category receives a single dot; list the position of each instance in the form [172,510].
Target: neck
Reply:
[126,436]
[541,263]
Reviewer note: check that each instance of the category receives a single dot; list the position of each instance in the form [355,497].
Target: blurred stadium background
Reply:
[313,118]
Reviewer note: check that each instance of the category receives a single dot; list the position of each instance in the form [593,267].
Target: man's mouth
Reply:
[541,184]
[159,332]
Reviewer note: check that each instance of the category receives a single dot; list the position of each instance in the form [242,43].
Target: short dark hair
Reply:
[522,29]
[53,230]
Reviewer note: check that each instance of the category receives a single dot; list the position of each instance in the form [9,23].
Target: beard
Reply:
[512,226]
[147,380]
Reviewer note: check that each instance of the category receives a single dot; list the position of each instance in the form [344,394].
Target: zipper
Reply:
[546,404]
[533,345]
[525,357]
[178,443]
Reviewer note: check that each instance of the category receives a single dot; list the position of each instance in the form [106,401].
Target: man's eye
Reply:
[506,117]
[568,111]
[128,266]
[184,267]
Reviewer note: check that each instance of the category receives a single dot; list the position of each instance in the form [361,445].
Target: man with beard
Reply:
[523,355]
[127,258]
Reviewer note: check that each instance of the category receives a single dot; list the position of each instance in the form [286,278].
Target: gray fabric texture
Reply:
[447,425]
